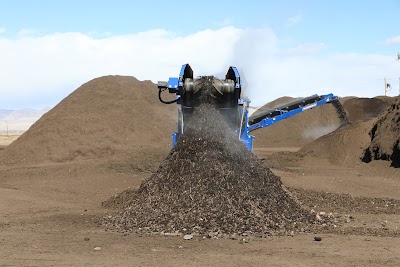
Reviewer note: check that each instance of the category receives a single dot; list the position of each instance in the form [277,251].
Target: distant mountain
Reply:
[22,114]
[4,113]
[18,121]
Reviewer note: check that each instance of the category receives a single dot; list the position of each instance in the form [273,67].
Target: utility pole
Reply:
[386,86]
[398,59]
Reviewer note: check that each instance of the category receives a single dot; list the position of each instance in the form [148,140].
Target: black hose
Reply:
[165,102]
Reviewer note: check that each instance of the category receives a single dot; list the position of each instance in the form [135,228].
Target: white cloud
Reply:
[27,32]
[292,21]
[41,70]
[225,22]
[392,40]
[304,49]
[2,30]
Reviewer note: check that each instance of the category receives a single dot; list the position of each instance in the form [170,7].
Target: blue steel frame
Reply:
[247,139]
[287,114]
[245,136]
[173,84]
[238,83]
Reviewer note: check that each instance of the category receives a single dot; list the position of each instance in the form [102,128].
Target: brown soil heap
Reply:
[108,117]
[298,130]
[344,146]
[385,137]
[359,109]
[308,126]
[210,182]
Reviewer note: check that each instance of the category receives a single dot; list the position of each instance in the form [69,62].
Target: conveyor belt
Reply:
[283,108]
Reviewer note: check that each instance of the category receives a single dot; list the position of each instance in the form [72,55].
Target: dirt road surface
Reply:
[48,216]
[54,178]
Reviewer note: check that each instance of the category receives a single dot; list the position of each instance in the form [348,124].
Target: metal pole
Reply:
[384,85]
[398,59]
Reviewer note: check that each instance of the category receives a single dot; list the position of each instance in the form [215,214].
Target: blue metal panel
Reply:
[182,72]
[237,75]
[186,72]
[174,139]
[173,83]
[245,138]
[236,72]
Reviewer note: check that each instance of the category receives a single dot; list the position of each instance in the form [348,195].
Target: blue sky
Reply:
[49,48]
[344,25]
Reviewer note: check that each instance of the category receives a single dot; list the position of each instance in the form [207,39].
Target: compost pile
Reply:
[298,130]
[210,182]
[345,145]
[385,137]
[361,109]
[342,147]
[106,119]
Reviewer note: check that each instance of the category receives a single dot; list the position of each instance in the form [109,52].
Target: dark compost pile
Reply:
[385,137]
[210,182]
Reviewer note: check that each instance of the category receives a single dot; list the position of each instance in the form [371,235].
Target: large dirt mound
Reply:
[343,146]
[210,183]
[308,126]
[274,103]
[385,137]
[108,117]
[359,109]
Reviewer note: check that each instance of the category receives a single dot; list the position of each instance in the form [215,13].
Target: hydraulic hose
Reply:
[165,102]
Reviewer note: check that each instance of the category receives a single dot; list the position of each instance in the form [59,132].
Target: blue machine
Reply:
[232,106]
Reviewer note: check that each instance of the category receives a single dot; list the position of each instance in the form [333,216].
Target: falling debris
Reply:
[210,182]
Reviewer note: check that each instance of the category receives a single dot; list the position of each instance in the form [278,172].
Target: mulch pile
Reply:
[210,182]
[308,126]
[346,145]
[385,137]
[109,118]
[298,130]
[345,203]
[359,109]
